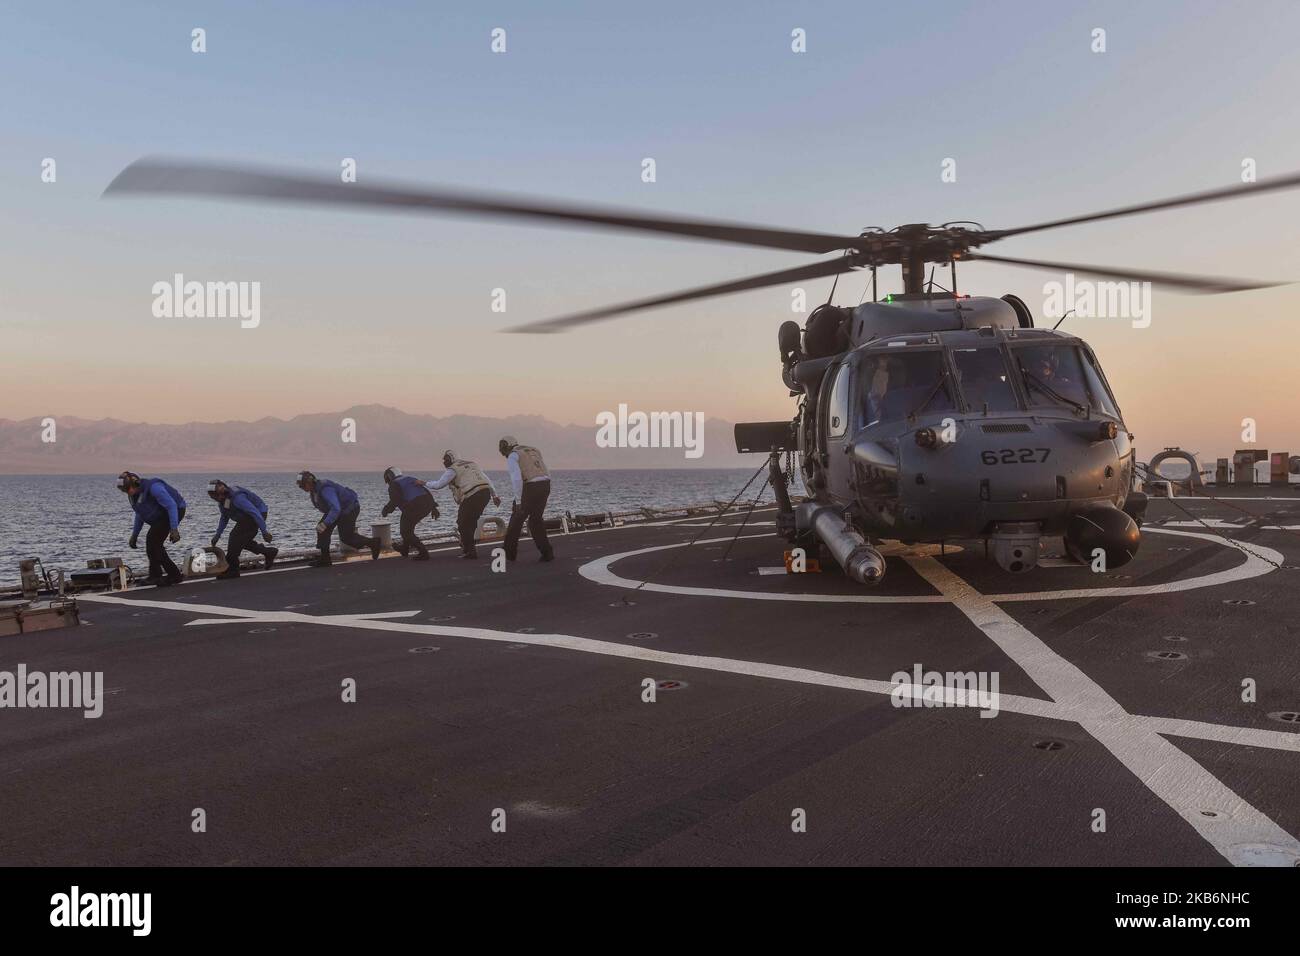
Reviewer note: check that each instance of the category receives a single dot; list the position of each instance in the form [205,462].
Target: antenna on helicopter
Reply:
[834,283]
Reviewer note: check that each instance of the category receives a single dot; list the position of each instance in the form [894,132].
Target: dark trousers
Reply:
[155,546]
[471,509]
[413,512]
[243,536]
[347,525]
[532,507]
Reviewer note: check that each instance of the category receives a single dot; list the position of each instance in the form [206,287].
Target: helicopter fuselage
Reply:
[942,418]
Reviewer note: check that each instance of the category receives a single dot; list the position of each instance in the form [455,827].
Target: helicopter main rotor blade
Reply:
[185,178]
[817,270]
[1274,184]
[1188,283]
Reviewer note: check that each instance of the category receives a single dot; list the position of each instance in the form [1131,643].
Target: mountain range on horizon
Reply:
[384,436]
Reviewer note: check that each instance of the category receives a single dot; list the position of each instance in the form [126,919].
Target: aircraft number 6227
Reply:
[1015,456]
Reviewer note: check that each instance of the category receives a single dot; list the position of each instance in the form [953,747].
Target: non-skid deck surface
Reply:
[479,692]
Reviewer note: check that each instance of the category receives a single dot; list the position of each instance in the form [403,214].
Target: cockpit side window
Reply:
[897,385]
[1097,385]
[982,376]
[837,409]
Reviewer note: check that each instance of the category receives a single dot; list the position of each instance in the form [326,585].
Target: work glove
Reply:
[436,513]
[496,501]
[320,527]
[132,543]
[173,535]
[266,536]
[388,509]
[514,506]
[215,539]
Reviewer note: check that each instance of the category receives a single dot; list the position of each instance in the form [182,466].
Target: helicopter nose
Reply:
[1007,472]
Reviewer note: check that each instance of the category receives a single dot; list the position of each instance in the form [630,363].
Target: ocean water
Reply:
[66,519]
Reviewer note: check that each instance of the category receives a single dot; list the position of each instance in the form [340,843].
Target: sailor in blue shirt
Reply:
[416,503]
[248,511]
[161,507]
[340,507]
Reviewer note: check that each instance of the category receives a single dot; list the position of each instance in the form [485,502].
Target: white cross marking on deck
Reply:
[1173,776]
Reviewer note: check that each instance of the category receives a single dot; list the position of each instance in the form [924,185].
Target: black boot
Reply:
[374,549]
[269,556]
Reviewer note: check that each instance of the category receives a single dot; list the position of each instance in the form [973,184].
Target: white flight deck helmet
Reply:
[303,478]
[448,457]
[507,442]
[392,473]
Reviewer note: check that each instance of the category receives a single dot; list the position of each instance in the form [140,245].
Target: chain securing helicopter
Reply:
[926,417]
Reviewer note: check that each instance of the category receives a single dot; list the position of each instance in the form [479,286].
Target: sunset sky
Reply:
[367,307]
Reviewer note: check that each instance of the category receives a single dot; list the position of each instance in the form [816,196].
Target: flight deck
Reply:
[665,693]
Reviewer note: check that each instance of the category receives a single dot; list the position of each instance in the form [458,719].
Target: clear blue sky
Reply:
[374,308]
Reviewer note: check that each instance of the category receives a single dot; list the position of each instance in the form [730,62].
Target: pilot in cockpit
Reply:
[1055,377]
[887,392]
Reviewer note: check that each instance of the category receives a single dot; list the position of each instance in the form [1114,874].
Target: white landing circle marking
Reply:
[599,572]
[1256,564]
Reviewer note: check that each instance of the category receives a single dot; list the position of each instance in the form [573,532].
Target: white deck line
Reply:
[220,614]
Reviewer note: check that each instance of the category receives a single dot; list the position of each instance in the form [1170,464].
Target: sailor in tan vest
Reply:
[471,488]
[532,487]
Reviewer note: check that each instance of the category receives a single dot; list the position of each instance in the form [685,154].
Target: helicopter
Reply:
[926,417]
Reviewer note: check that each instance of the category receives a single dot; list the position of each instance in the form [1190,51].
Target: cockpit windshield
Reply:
[982,376]
[1062,375]
[898,385]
